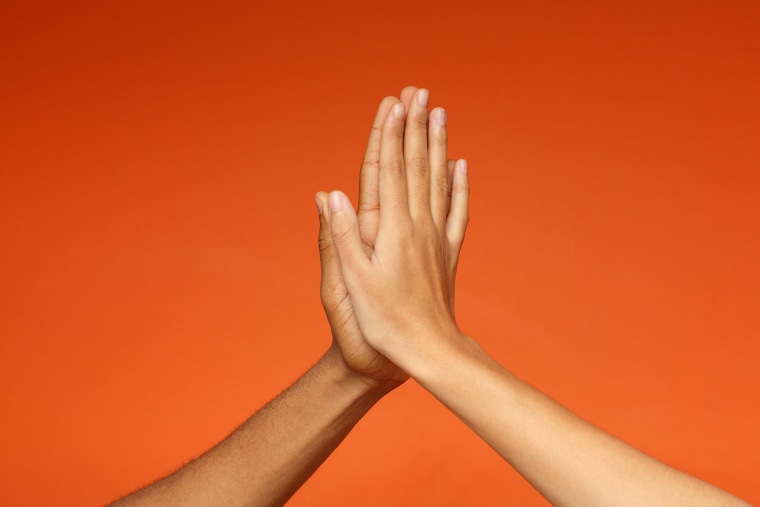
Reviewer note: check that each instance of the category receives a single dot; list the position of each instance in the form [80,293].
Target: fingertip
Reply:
[459,214]
[319,201]
[335,201]
[384,107]
[388,101]
[438,116]
[344,229]
[460,180]
[406,94]
[423,96]
[398,111]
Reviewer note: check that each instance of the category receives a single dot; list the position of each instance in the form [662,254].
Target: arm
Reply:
[399,293]
[569,461]
[265,460]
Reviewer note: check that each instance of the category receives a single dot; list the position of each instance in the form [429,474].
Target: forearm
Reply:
[265,460]
[568,460]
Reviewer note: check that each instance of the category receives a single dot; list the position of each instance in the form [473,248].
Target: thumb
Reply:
[328,259]
[344,230]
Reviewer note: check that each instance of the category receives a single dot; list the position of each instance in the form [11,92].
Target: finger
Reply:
[450,165]
[393,191]
[456,223]
[328,260]
[369,196]
[406,96]
[416,160]
[344,231]
[439,180]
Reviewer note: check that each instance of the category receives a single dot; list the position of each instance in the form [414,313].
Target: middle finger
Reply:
[416,159]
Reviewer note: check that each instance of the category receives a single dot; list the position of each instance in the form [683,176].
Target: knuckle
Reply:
[365,207]
[368,201]
[394,130]
[323,239]
[419,120]
[395,135]
[396,167]
[419,165]
[439,137]
[375,131]
[324,244]
[420,202]
[440,185]
[341,235]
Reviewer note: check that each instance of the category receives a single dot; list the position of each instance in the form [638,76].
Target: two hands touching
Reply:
[388,270]
[388,273]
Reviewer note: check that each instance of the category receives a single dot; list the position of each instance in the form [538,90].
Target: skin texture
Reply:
[402,296]
[265,460]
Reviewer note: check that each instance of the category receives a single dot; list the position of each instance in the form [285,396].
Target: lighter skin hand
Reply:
[420,220]
[356,351]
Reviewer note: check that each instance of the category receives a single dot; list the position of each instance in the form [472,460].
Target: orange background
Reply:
[159,262]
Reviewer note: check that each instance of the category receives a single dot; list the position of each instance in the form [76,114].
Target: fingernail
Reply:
[422,97]
[462,166]
[440,116]
[335,201]
[319,205]
[398,110]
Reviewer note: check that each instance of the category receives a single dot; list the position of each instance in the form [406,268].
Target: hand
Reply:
[401,285]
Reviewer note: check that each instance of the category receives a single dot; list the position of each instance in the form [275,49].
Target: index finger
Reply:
[369,176]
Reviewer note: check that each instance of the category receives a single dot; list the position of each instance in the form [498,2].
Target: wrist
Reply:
[432,352]
[354,380]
